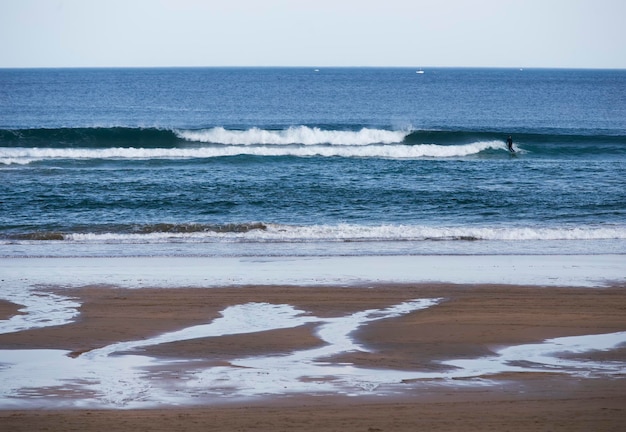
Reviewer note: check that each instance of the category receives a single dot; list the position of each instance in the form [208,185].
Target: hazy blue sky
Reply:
[504,33]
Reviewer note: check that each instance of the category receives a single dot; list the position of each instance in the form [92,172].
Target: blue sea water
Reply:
[299,161]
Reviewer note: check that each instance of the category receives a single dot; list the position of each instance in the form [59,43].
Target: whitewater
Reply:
[297,142]
[26,156]
[347,233]
[294,135]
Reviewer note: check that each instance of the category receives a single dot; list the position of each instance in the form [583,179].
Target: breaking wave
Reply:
[22,156]
[294,135]
[257,232]
[22,147]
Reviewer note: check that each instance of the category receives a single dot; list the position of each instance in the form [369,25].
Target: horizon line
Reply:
[314,67]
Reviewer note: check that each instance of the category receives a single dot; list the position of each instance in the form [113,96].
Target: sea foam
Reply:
[293,135]
[349,232]
[22,156]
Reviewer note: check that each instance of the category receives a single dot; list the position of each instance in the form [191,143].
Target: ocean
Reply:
[311,162]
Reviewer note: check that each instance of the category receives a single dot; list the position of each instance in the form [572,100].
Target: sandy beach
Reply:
[409,356]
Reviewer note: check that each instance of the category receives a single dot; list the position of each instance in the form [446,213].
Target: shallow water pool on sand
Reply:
[119,376]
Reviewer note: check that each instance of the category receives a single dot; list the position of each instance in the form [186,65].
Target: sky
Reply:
[411,33]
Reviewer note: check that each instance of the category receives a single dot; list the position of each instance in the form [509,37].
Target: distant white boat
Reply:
[419,71]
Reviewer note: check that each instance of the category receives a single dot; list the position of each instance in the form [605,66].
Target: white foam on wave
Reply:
[293,135]
[16,160]
[348,232]
[23,156]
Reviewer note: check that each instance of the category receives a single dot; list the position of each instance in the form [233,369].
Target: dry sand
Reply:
[473,321]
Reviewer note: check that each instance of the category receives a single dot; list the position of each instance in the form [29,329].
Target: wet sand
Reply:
[8,309]
[471,321]
[575,407]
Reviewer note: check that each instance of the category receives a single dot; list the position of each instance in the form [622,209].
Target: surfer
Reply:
[509,144]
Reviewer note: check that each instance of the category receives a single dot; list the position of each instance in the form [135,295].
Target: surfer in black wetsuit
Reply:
[509,144]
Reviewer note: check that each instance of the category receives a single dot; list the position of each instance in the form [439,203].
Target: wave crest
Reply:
[294,135]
